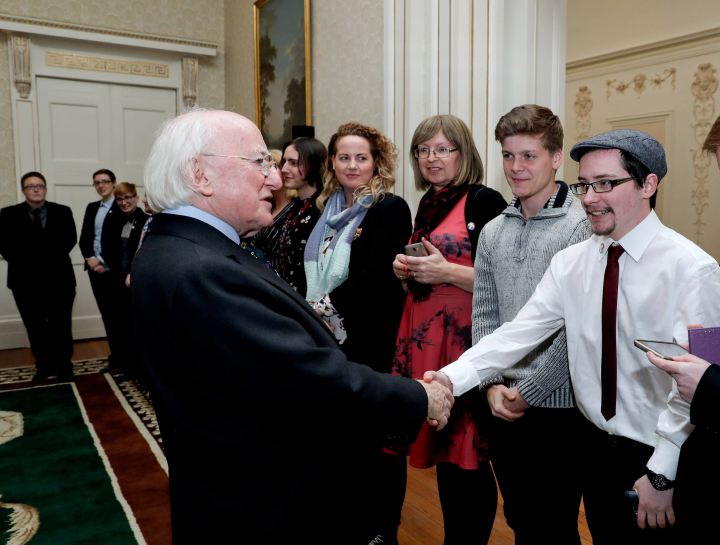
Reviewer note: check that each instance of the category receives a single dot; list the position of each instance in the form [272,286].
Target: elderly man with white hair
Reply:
[269,430]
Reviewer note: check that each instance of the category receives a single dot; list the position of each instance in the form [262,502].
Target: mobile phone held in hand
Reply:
[633,500]
[416,250]
[661,349]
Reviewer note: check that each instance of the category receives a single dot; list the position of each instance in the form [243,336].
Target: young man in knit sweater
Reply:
[533,451]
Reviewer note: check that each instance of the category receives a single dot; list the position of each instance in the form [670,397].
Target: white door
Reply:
[84,127]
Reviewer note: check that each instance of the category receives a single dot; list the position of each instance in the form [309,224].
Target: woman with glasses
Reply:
[350,284]
[124,233]
[283,243]
[436,323]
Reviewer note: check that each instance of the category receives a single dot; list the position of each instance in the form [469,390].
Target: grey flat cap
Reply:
[642,146]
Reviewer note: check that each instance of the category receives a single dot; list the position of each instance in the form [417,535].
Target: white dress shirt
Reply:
[205,217]
[666,283]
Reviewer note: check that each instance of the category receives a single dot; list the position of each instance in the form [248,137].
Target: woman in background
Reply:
[350,283]
[268,239]
[436,323]
[125,232]
[302,171]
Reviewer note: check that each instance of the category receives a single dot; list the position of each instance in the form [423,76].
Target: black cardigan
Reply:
[371,299]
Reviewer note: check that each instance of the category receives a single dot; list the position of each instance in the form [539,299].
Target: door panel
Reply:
[84,127]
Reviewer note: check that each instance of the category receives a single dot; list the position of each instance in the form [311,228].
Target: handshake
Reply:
[440,399]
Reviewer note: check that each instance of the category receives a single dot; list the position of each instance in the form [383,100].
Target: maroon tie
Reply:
[609,321]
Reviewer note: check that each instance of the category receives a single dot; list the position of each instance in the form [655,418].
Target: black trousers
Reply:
[47,315]
[468,498]
[105,287]
[611,465]
[536,461]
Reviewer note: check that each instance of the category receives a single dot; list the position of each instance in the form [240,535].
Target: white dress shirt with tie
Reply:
[666,283]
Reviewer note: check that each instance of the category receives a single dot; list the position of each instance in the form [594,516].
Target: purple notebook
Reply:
[705,343]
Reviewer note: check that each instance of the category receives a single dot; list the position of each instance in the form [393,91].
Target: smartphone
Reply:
[661,349]
[632,500]
[416,250]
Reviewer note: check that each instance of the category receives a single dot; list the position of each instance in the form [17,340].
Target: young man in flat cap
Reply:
[633,279]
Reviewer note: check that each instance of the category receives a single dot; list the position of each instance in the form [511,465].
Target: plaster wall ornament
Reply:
[189,75]
[21,64]
[583,105]
[703,89]
[638,83]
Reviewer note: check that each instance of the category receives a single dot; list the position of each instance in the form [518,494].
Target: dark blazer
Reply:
[695,499]
[33,259]
[371,300]
[112,248]
[87,233]
[265,422]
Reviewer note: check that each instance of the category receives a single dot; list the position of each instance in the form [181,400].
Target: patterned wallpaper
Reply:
[347,64]
[194,19]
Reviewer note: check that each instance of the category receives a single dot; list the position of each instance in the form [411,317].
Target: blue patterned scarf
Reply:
[345,221]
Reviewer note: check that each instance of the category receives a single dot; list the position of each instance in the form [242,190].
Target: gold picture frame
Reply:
[280,38]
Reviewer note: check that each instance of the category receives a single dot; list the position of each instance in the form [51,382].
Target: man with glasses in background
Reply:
[103,280]
[36,238]
[633,279]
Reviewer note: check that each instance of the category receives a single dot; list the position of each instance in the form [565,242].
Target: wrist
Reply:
[659,482]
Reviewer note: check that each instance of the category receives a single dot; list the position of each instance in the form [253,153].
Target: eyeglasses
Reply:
[34,187]
[440,153]
[127,199]
[603,186]
[265,163]
[102,182]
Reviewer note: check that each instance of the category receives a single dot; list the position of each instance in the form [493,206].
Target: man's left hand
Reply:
[654,504]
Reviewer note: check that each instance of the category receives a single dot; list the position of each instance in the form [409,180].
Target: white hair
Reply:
[168,169]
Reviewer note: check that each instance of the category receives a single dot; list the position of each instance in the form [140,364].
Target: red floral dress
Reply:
[433,334]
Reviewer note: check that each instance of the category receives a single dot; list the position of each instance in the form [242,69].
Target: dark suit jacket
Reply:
[266,424]
[112,249]
[87,233]
[371,300]
[41,262]
[695,499]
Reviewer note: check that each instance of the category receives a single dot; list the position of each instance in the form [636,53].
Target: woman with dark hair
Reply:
[436,323]
[350,284]
[303,167]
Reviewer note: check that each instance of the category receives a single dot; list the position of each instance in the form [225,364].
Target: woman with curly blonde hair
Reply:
[347,264]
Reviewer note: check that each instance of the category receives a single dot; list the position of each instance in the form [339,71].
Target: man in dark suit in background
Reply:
[103,280]
[266,425]
[36,238]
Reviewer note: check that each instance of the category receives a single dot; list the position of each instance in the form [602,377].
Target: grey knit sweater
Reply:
[512,256]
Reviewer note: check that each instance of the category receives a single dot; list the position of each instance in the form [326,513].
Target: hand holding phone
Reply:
[416,250]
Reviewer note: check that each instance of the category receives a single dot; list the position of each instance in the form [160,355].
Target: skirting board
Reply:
[13,334]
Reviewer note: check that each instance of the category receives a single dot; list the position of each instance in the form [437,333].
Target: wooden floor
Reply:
[84,350]
[422,521]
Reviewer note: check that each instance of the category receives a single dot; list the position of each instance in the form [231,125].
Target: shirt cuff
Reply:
[463,376]
[665,458]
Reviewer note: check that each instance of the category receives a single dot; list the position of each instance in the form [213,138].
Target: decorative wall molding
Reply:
[639,81]
[59,59]
[31,25]
[662,52]
[189,78]
[703,88]
[21,64]
[583,105]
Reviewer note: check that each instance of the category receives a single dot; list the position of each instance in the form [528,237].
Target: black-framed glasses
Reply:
[265,163]
[440,153]
[34,187]
[102,182]
[127,199]
[603,186]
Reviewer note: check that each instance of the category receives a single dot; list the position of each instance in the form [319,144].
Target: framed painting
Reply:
[282,68]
